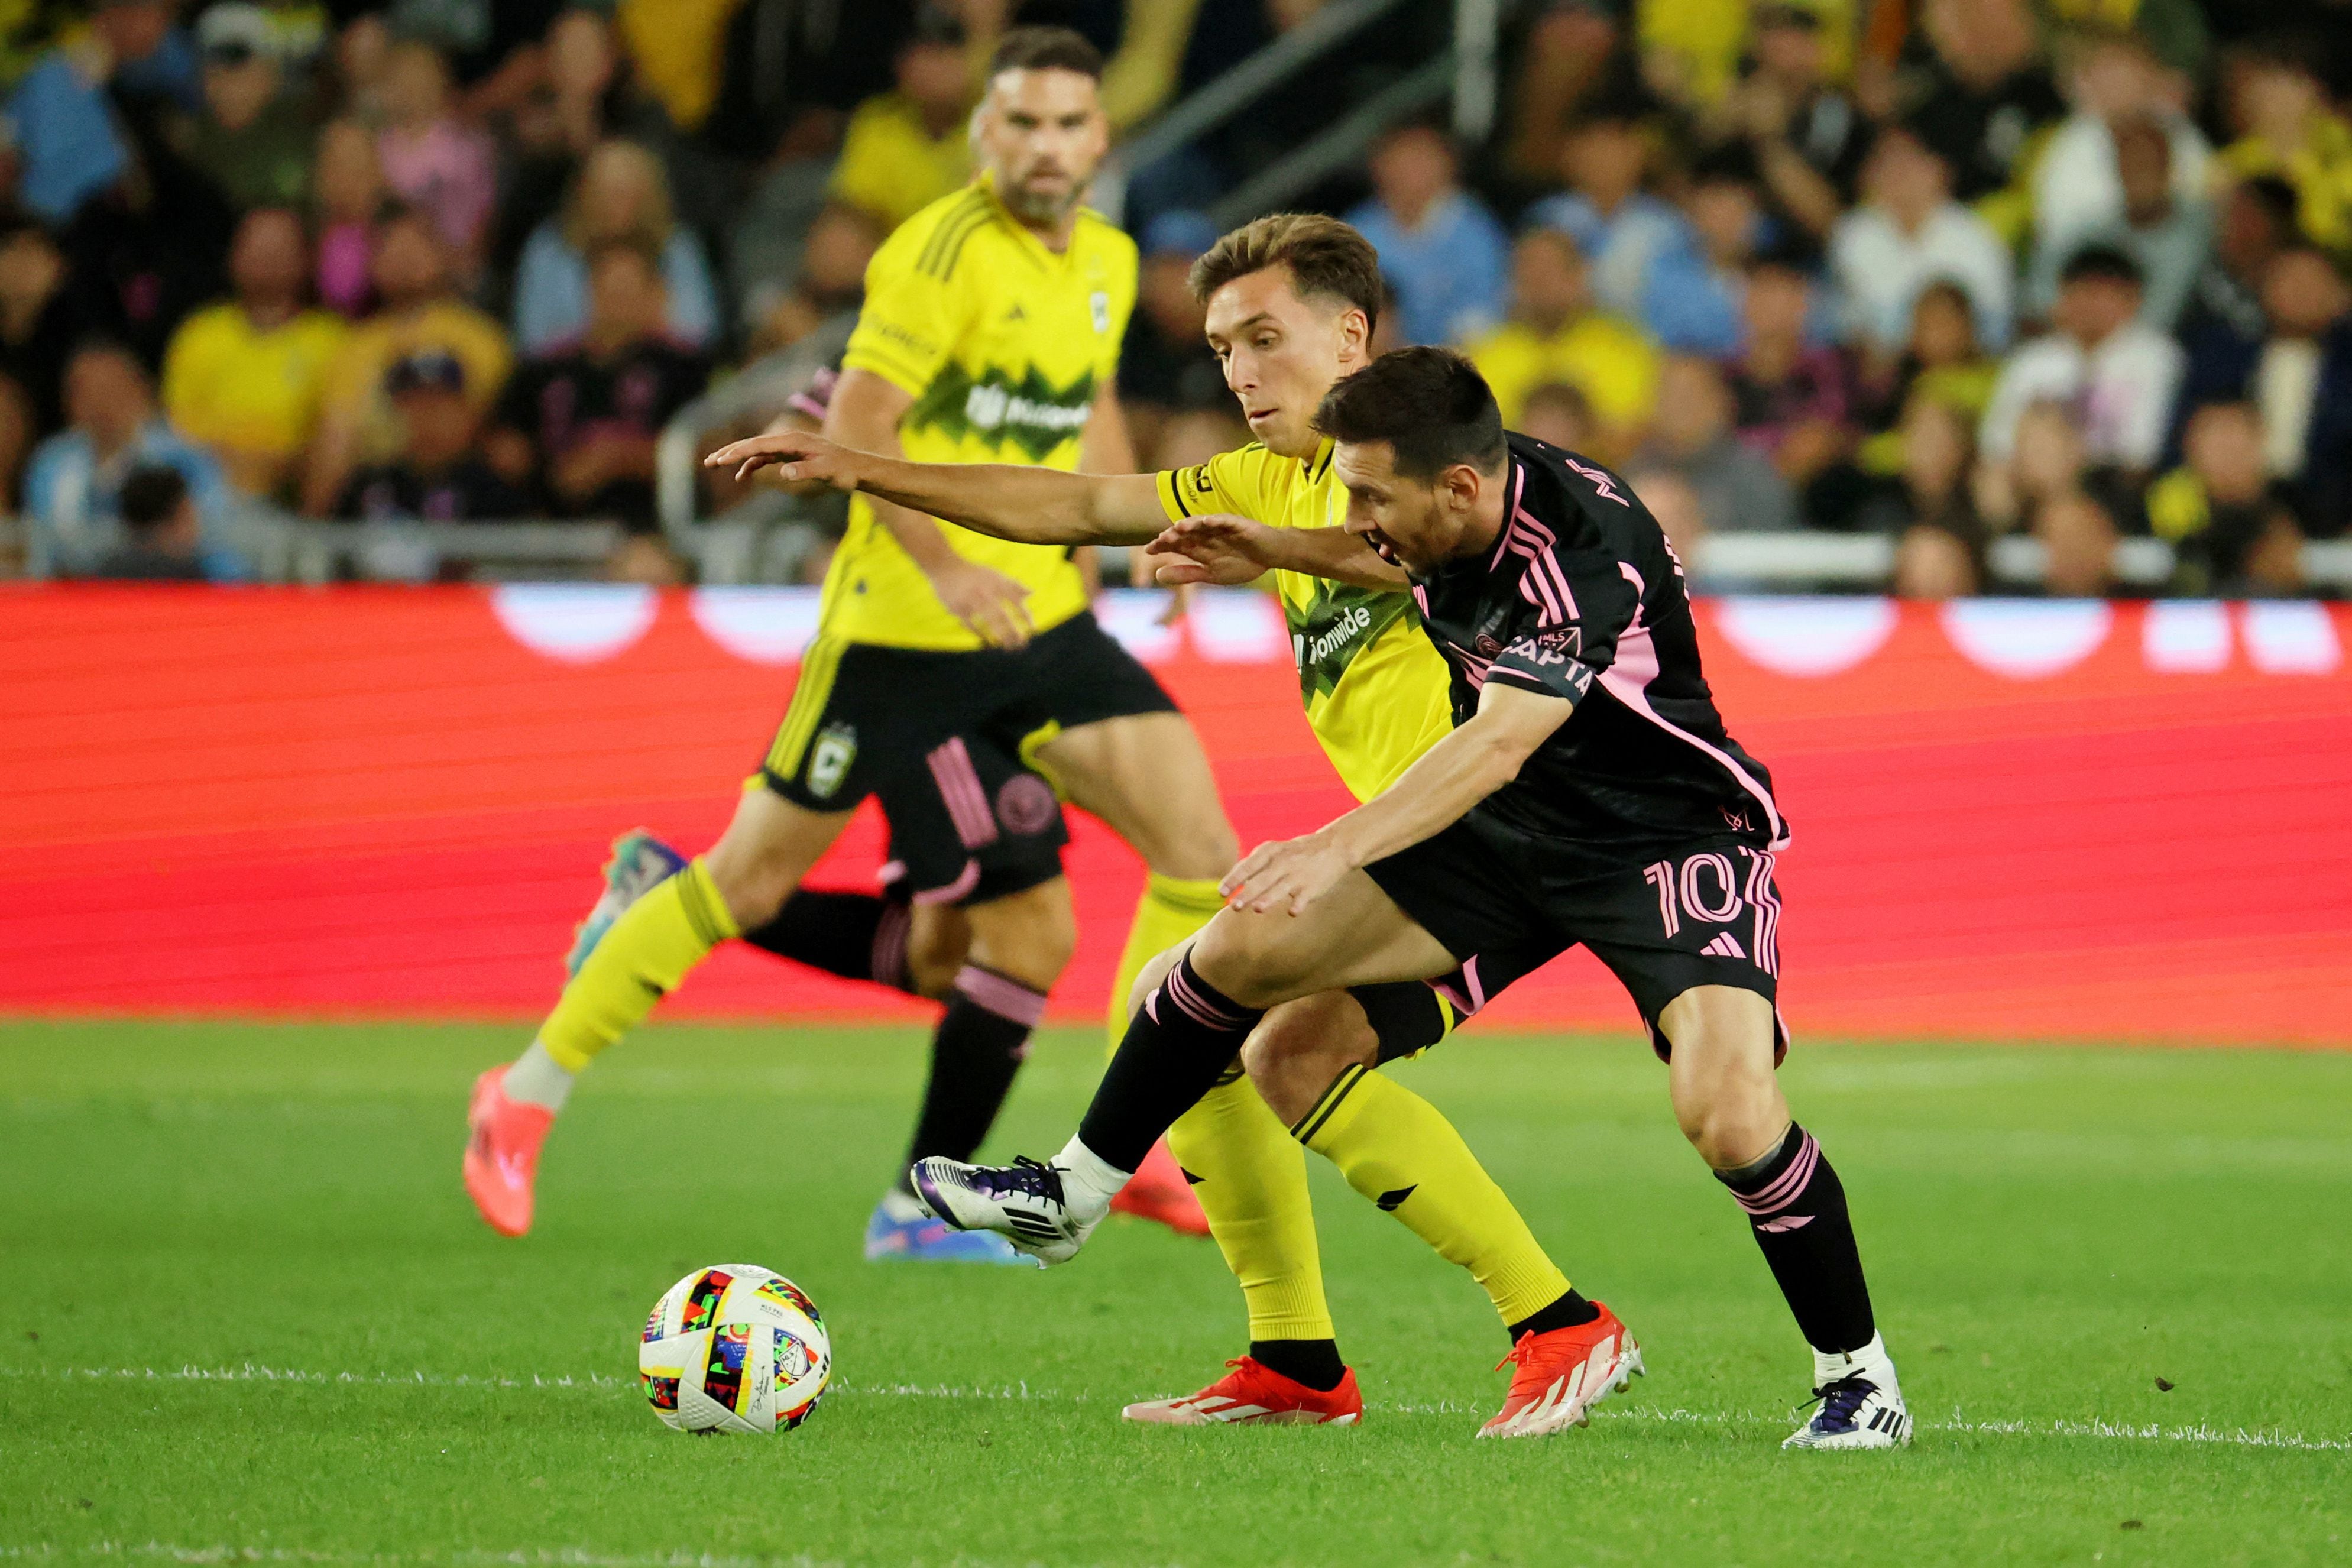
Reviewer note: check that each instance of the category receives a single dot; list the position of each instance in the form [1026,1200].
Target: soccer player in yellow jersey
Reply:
[1291,304]
[954,675]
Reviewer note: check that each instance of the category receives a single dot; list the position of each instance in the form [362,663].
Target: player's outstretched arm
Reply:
[1451,777]
[1218,547]
[1032,506]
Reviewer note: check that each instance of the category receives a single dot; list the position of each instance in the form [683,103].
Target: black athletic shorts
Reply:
[1504,903]
[943,740]
[1408,1016]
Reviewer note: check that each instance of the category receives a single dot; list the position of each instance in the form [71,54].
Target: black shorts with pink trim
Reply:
[1504,903]
[937,737]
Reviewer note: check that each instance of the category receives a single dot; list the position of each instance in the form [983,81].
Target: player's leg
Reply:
[1724,1042]
[1115,743]
[1250,1176]
[884,937]
[1018,944]
[768,847]
[1314,1060]
[1694,939]
[978,834]
[1187,1033]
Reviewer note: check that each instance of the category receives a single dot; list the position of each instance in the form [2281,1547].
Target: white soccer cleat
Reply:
[1024,1200]
[1855,1412]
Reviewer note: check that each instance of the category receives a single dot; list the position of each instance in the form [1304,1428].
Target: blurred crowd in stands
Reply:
[1933,270]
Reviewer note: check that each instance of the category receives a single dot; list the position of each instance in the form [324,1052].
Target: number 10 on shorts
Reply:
[1709,888]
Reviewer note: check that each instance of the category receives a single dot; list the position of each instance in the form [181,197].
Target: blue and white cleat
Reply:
[1855,1412]
[901,1230]
[640,863]
[1025,1201]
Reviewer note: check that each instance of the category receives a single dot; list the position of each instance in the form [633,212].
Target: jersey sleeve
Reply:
[1235,481]
[1575,600]
[914,312]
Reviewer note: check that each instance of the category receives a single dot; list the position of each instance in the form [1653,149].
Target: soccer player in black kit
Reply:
[1588,793]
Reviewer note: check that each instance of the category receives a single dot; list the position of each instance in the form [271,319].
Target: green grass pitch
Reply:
[246,1314]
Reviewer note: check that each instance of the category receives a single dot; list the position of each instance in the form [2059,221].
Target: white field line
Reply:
[2151,1432]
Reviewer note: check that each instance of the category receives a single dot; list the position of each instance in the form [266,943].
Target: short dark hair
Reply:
[150,494]
[1326,257]
[2102,263]
[1430,404]
[1046,49]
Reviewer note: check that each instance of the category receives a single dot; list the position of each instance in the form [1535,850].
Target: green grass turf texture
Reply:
[2049,1232]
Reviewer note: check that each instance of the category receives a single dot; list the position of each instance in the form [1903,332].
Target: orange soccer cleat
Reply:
[1253,1394]
[502,1152]
[1562,1375]
[1160,1192]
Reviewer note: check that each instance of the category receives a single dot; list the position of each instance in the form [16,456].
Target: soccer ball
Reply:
[734,1349]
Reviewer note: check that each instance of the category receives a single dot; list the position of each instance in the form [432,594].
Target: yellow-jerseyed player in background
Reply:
[952,675]
[1291,304]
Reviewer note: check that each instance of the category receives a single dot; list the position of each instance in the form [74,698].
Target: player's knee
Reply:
[1293,1055]
[1244,956]
[752,884]
[937,944]
[1028,936]
[1206,849]
[1730,1119]
[1148,978]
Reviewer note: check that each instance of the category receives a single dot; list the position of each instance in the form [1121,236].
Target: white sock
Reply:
[1090,1182]
[1871,1361]
[538,1079]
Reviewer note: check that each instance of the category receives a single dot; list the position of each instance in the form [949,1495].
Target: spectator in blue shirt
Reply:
[1692,303]
[63,112]
[1622,229]
[1444,252]
[620,193]
[73,488]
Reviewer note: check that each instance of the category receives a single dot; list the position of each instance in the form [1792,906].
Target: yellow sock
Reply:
[641,960]
[1399,1151]
[1171,908]
[1252,1187]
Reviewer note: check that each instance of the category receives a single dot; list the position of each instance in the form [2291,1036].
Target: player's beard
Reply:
[1041,210]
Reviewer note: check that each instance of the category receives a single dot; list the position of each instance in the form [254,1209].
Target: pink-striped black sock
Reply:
[977,1050]
[1796,1206]
[1176,1047]
[858,936]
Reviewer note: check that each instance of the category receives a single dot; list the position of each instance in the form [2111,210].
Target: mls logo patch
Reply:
[829,759]
[1101,303]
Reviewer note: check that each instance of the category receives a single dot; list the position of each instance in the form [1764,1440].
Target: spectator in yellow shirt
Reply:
[244,376]
[421,314]
[1554,334]
[2291,133]
[905,150]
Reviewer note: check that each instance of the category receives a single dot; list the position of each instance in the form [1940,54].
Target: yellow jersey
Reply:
[228,384]
[1002,345]
[1376,691]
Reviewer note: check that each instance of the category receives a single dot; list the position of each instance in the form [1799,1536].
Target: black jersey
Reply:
[1581,598]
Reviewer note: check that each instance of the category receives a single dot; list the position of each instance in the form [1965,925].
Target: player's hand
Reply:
[986,600]
[1285,875]
[1215,548]
[799,458]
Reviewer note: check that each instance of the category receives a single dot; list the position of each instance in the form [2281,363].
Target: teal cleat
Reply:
[640,863]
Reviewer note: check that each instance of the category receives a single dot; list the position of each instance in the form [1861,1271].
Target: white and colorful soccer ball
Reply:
[734,1348]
